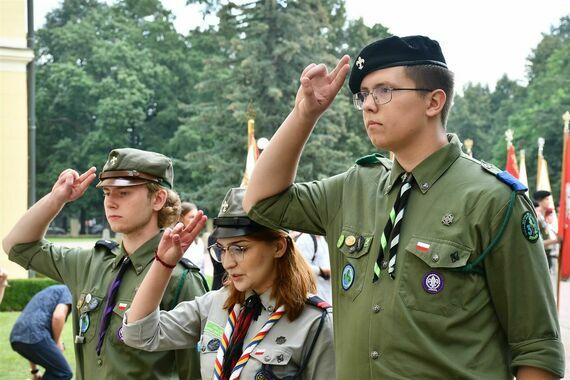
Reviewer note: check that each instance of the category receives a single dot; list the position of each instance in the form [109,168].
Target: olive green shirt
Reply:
[463,326]
[88,273]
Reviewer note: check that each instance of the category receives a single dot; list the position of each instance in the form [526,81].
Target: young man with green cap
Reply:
[437,266]
[139,202]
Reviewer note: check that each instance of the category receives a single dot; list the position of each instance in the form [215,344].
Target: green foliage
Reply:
[21,292]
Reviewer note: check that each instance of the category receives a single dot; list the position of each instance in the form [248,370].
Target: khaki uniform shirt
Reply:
[456,325]
[282,350]
[88,274]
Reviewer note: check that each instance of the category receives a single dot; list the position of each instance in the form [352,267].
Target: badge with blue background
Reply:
[347,278]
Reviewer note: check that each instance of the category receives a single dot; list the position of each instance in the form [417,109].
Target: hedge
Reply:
[21,291]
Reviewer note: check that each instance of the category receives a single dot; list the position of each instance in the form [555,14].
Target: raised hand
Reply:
[319,87]
[175,240]
[70,185]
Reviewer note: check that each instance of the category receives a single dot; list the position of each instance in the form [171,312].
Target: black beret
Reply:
[540,194]
[395,51]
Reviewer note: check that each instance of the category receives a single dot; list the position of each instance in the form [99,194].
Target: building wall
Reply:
[14,57]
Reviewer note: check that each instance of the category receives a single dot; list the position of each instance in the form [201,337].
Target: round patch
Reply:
[262,374]
[213,344]
[432,282]
[529,227]
[83,323]
[120,334]
[280,340]
[347,276]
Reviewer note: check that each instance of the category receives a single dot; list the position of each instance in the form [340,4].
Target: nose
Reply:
[109,202]
[369,104]
[228,260]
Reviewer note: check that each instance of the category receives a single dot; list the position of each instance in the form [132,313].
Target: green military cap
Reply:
[131,167]
[232,220]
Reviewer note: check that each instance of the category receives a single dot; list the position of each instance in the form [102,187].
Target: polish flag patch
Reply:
[421,246]
[122,306]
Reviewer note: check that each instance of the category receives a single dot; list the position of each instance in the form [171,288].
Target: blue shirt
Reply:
[34,324]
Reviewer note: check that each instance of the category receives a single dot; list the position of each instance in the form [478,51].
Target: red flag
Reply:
[512,166]
[564,215]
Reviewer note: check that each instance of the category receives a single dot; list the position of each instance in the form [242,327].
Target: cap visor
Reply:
[112,182]
[226,232]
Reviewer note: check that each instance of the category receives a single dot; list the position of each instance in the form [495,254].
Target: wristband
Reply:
[34,371]
[162,262]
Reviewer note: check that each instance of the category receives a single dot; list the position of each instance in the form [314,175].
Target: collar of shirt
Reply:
[141,257]
[267,301]
[432,168]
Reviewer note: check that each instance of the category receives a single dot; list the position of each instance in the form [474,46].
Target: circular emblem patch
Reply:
[120,334]
[529,227]
[83,323]
[213,344]
[432,282]
[347,276]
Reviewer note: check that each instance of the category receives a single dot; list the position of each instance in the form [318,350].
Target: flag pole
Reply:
[539,163]
[566,118]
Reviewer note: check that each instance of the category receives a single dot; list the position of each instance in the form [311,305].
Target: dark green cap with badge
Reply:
[232,219]
[131,167]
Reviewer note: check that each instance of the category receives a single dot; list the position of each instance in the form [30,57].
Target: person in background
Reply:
[263,324]
[433,254]
[315,250]
[544,215]
[37,333]
[139,201]
[3,283]
[195,251]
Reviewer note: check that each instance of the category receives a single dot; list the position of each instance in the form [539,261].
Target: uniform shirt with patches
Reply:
[88,274]
[430,321]
[283,348]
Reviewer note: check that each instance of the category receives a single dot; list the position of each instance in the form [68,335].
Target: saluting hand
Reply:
[170,248]
[319,87]
[71,186]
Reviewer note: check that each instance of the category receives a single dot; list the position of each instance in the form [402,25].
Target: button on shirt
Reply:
[34,323]
[88,274]
[433,321]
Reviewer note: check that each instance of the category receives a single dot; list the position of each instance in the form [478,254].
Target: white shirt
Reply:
[317,260]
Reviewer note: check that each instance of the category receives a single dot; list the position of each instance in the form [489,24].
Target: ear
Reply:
[280,247]
[435,102]
[159,199]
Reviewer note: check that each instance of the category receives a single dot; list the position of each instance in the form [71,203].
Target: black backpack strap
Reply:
[323,305]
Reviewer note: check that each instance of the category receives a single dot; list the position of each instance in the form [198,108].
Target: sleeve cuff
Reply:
[547,354]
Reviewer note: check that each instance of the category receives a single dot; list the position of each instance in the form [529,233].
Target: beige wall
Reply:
[13,121]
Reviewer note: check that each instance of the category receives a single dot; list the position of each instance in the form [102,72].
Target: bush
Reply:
[21,292]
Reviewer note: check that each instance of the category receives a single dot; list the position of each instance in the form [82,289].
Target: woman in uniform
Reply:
[263,324]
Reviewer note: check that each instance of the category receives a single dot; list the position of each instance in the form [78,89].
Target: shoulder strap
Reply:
[188,266]
[315,246]
[109,244]
[325,307]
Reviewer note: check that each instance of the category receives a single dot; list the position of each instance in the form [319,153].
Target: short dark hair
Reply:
[434,77]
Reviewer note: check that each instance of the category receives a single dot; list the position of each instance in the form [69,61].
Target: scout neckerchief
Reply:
[228,332]
[391,232]
[110,304]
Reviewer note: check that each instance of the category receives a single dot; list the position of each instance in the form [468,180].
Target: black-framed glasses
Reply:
[380,94]
[217,251]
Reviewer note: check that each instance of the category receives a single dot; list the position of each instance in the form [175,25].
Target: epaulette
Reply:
[318,302]
[374,159]
[504,177]
[109,244]
[187,264]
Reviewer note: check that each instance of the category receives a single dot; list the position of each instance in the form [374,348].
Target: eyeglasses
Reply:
[381,95]
[217,251]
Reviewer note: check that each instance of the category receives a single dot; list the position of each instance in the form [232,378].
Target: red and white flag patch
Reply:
[122,306]
[421,246]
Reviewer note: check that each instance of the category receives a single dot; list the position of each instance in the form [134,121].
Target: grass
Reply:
[15,367]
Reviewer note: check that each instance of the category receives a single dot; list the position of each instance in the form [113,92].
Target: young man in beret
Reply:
[437,267]
[139,201]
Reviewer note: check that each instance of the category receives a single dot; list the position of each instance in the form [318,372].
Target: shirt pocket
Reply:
[90,309]
[354,265]
[272,363]
[428,280]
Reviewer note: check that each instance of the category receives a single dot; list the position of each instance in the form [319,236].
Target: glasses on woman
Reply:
[217,251]
[380,94]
